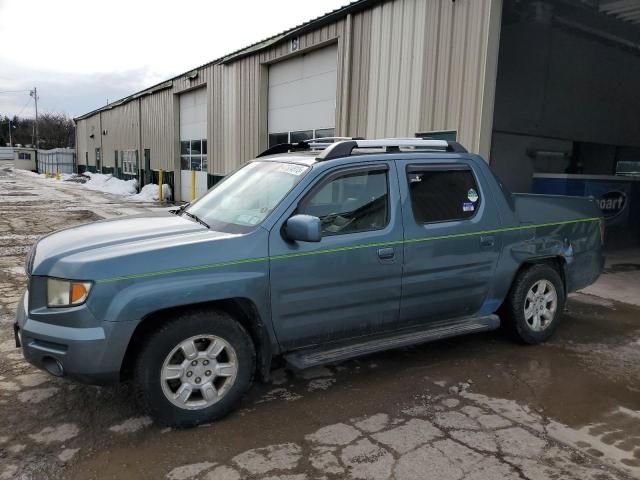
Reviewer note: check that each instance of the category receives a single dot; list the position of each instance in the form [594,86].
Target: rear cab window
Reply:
[442,192]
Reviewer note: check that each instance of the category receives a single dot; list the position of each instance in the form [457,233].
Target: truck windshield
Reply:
[244,199]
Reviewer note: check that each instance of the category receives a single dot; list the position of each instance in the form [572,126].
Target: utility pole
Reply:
[10,142]
[34,93]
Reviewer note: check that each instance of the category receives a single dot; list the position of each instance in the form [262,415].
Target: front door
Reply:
[98,161]
[348,284]
[148,178]
[448,261]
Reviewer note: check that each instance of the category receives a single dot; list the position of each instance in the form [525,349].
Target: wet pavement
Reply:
[476,407]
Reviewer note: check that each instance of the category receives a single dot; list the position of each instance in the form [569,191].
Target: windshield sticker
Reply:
[472,195]
[468,207]
[415,177]
[291,169]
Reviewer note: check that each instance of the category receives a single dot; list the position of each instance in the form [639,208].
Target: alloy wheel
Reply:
[199,372]
[540,305]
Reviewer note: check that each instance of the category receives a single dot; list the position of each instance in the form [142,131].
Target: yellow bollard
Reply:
[160,197]
[46,174]
[193,185]
[57,175]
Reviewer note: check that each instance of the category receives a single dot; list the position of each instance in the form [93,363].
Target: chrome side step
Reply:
[338,352]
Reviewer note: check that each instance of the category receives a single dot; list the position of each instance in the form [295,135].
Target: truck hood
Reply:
[133,232]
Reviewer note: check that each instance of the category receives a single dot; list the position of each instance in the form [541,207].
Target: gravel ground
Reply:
[477,407]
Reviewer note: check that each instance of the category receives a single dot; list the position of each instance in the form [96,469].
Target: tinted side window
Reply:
[440,195]
[353,202]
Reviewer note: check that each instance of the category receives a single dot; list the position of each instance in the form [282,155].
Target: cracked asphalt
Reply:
[475,407]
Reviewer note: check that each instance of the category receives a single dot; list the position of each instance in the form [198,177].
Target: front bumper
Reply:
[89,355]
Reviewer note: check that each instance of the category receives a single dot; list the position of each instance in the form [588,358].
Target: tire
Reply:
[212,359]
[540,320]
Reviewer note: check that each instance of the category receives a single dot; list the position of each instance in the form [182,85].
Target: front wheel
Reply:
[194,369]
[532,309]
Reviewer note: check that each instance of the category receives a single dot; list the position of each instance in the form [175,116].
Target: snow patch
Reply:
[320,384]
[9,472]
[61,433]
[131,425]
[67,454]
[280,394]
[149,193]
[33,379]
[189,471]
[274,457]
[37,395]
[109,184]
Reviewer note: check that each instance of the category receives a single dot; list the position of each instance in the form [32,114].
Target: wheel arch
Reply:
[558,262]
[241,309]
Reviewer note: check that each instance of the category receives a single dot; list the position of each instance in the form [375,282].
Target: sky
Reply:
[81,53]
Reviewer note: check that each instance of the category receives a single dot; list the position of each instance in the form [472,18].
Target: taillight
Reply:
[601,224]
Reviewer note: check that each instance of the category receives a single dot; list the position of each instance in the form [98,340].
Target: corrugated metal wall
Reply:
[417,66]
[81,141]
[92,127]
[238,129]
[158,129]
[403,66]
[122,127]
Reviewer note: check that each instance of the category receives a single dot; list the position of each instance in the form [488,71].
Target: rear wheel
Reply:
[532,309]
[195,369]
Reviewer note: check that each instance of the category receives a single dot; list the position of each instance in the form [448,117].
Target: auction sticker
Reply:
[292,168]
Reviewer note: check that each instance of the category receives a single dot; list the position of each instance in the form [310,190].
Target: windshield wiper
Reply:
[180,209]
[197,219]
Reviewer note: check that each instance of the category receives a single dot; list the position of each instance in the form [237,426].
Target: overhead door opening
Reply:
[302,97]
[566,109]
[193,144]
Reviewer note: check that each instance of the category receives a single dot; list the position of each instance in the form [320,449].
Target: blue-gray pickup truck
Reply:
[314,252]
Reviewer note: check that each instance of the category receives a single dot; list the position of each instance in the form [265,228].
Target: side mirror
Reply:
[303,228]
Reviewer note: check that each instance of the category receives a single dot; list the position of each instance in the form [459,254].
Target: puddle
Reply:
[622,267]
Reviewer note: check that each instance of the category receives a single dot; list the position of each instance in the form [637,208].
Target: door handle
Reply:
[487,240]
[386,253]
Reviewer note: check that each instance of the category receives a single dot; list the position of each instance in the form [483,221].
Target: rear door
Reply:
[451,247]
[348,284]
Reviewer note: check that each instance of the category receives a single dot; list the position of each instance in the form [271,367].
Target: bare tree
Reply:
[55,130]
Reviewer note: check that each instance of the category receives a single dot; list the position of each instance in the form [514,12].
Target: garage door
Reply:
[302,97]
[193,143]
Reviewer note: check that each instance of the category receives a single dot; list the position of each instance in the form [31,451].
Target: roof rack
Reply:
[284,148]
[345,148]
[309,144]
[330,140]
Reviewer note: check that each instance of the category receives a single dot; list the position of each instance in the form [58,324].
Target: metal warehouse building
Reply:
[547,91]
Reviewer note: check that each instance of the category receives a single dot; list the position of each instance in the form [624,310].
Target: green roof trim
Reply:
[156,88]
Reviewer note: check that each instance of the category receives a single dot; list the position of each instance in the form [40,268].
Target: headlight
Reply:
[66,293]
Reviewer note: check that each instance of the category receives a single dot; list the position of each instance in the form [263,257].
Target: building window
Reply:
[193,155]
[278,138]
[352,202]
[324,133]
[24,156]
[442,195]
[299,136]
[129,159]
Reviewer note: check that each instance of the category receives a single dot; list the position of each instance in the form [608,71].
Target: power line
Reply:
[25,106]
[15,91]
